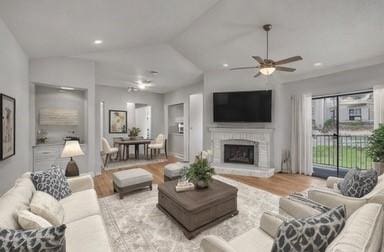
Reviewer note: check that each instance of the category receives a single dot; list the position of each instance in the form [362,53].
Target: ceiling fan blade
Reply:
[242,68]
[285,69]
[258,59]
[257,75]
[288,60]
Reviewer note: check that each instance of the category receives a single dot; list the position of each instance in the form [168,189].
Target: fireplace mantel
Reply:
[261,136]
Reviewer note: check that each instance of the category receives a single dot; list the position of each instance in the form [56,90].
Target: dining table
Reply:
[123,146]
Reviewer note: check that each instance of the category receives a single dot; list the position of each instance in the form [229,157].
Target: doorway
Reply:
[341,125]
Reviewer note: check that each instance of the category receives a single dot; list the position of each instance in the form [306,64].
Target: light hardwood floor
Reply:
[280,184]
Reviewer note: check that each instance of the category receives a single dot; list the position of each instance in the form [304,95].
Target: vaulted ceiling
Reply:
[181,39]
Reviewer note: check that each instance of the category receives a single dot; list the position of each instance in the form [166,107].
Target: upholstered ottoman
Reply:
[172,171]
[129,180]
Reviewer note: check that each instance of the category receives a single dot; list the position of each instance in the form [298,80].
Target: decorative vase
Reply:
[379,167]
[133,137]
[201,184]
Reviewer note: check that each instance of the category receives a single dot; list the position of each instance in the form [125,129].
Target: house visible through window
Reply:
[355,114]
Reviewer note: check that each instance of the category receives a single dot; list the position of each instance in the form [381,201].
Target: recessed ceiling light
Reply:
[67,88]
[98,42]
[225,65]
[318,64]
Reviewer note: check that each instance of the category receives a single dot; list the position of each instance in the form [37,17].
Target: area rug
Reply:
[133,163]
[135,223]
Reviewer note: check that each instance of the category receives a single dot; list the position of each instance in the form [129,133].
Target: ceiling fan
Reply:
[268,66]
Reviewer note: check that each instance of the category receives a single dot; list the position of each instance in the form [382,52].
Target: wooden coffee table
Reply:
[197,210]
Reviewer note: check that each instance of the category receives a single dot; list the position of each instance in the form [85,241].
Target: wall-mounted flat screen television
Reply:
[251,106]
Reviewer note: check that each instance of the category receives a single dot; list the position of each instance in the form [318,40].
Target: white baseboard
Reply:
[177,155]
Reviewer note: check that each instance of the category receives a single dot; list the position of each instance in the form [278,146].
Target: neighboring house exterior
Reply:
[352,108]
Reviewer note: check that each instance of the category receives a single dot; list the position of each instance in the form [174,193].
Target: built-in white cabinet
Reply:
[46,155]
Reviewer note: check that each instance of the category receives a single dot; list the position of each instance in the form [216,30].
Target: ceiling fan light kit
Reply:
[268,66]
[267,70]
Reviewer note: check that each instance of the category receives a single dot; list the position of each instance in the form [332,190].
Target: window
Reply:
[333,114]
[355,114]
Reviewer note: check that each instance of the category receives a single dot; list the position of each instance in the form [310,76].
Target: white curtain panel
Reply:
[378,105]
[301,134]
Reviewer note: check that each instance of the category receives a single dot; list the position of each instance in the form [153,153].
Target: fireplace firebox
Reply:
[234,153]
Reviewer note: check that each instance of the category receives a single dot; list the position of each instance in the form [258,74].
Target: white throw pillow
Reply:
[28,220]
[48,207]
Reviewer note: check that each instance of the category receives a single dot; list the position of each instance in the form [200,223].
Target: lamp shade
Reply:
[72,149]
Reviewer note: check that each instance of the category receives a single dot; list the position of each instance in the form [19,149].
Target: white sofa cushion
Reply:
[80,183]
[88,234]
[80,205]
[16,199]
[270,223]
[29,220]
[48,207]
[253,240]
[362,232]
[212,243]
[296,209]
[155,146]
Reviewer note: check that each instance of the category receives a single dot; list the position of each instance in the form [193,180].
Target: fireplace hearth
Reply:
[235,153]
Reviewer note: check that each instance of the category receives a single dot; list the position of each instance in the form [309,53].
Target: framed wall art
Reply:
[7,127]
[117,121]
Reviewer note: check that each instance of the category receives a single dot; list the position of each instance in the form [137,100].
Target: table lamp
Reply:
[72,149]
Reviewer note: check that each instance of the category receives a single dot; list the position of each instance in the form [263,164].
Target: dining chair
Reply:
[159,144]
[108,151]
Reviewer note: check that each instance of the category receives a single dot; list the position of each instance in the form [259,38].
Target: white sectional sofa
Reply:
[85,227]
[363,231]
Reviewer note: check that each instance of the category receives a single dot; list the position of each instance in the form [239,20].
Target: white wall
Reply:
[77,73]
[143,120]
[182,96]
[117,99]
[131,116]
[14,83]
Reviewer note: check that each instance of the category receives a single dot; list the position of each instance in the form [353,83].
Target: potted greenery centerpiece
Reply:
[200,172]
[133,133]
[375,149]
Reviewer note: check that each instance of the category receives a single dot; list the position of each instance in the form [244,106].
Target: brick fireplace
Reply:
[242,151]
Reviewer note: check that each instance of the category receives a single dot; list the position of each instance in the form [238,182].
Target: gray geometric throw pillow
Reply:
[53,182]
[358,183]
[50,239]
[313,233]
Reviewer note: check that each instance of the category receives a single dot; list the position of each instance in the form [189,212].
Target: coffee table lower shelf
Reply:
[191,234]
